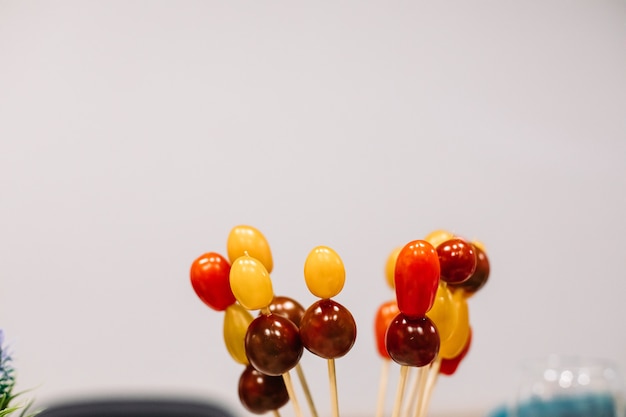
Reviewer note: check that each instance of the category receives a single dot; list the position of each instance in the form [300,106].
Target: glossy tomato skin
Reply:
[384,316]
[209,276]
[328,329]
[260,393]
[273,345]
[457,259]
[412,341]
[416,278]
[288,308]
[480,276]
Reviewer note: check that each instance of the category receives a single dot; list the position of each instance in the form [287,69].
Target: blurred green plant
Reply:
[8,406]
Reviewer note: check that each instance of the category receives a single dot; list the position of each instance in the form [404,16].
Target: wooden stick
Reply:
[397,405]
[433,374]
[334,400]
[276,413]
[421,391]
[382,387]
[305,388]
[292,394]
[413,392]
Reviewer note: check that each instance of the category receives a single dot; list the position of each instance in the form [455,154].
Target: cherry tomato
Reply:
[273,344]
[260,393]
[416,278]
[457,259]
[236,322]
[412,341]
[288,308]
[384,316]
[242,239]
[324,272]
[480,276]
[251,283]
[209,279]
[455,343]
[443,312]
[328,329]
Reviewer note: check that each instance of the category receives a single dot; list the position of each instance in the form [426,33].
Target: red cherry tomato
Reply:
[479,277]
[449,366]
[328,329]
[416,278]
[273,344]
[457,259]
[412,341]
[210,280]
[384,316]
[260,393]
[288,308]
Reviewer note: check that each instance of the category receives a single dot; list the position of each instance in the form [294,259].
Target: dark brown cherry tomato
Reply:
[210,280]
[449,366]
[287,307]
[328,329]
[384,315]
[273,344]
[457,259]
[479,277]
[416,278]
[412,341]
[260,393]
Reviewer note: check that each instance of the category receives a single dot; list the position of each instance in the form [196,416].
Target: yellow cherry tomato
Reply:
[246,239]
[390,267]
[236,322]
[444,311]
[437,237]
[324,272]
[251,283]
[454,344]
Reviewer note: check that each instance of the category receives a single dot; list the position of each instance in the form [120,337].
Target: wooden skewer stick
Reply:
[292,394]
[421,391]
[276,413]
[413,392]
[433,374]
[305,388]
[382,387]
[397,405]
[334,400]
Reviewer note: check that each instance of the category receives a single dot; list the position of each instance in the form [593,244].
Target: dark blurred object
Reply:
[135,407]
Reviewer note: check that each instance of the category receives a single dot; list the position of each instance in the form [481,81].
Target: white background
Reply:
[135,134]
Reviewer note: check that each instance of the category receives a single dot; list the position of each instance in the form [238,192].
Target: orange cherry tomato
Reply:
[384,315]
